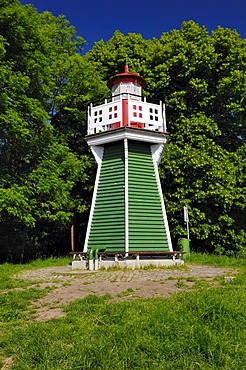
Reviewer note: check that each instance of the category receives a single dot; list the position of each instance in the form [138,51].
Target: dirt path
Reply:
[68,285]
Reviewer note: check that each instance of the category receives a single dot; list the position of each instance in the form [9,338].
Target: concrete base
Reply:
[128,264]
[81,265]
[136,264]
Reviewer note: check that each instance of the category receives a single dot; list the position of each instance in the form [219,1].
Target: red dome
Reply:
[127,76]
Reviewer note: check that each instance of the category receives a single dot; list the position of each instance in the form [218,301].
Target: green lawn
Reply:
[202,329]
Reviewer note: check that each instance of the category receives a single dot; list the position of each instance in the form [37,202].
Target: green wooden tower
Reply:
[127,137]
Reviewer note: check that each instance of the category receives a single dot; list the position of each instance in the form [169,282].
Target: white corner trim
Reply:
[98,153]
[126,198]
[162,200]
[157,151]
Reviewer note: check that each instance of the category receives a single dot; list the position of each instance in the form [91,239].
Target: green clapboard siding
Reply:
[146,225]
[108,223]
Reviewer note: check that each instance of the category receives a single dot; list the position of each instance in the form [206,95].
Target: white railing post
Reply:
[89,119]
[164,117]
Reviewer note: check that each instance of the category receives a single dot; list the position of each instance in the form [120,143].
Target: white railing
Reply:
[141,114]
[102,117]
[148,116]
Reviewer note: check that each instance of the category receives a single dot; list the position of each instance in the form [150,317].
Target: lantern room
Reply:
[127,108]
[126,84]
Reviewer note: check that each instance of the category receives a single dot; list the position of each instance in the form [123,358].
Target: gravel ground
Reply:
[68,285]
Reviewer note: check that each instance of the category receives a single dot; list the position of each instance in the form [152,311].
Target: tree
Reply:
[201,78]
[38,171]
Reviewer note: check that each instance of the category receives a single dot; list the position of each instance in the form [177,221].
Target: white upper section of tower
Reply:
[125,88]
[127,108]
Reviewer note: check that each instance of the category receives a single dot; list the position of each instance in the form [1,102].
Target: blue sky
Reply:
[98,19]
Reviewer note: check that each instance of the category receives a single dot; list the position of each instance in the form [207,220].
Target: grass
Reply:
[125,293]
[203,329]
[219,261]
[180,284]
[9,271]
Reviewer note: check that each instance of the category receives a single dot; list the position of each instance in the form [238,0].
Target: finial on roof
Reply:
[126,65]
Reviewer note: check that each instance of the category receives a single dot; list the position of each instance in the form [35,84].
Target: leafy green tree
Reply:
[110,57]
[38,171]
[201,78]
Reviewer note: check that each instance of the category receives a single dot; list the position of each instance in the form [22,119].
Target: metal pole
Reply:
[72,238]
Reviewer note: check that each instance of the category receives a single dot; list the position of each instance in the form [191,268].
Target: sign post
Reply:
[186,219]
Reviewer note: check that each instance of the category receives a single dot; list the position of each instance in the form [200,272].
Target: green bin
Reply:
[184,246]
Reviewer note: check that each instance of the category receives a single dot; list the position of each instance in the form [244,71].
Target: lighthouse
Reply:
[127,137]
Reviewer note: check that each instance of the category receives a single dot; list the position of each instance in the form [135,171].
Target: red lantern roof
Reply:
[126,76]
